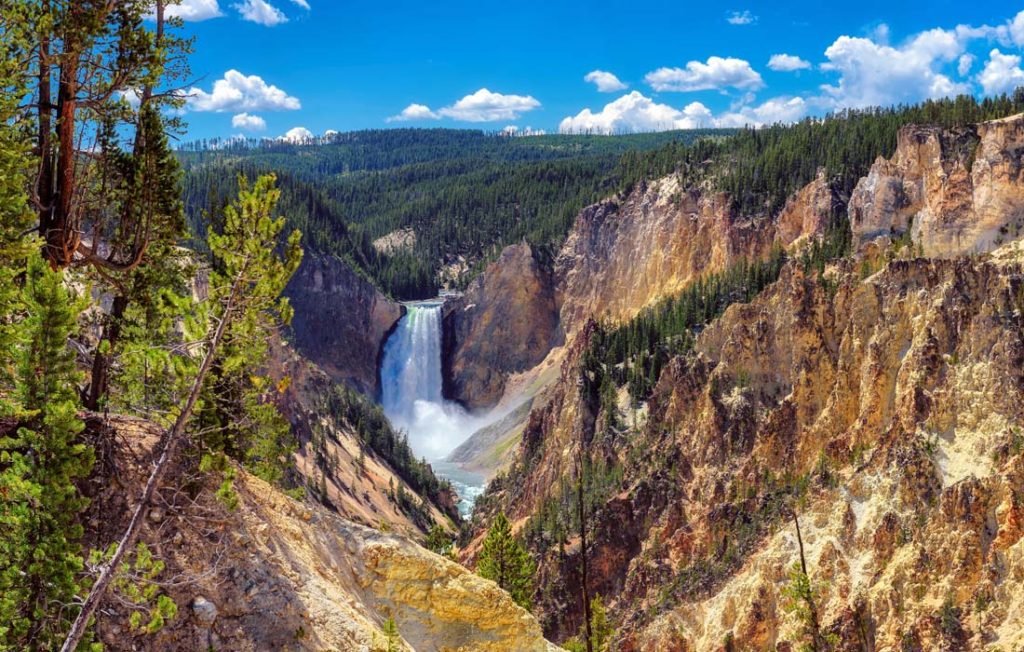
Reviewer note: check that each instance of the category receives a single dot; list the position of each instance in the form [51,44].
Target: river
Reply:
[411,394]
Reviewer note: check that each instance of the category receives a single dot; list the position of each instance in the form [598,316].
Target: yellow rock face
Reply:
[959,192]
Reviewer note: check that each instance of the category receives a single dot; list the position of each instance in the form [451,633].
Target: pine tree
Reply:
[16,218]
[601,630]
[39,552]
[391,635]
[504,560]
[245,305]
[439,541]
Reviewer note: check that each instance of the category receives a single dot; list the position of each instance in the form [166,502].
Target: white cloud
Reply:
[717,73]
[1002,73]
[606,82]
[303,4]
[297,135]
[248,122]
[787,63]
[190,10]
[873,74]
[414,112]
[635,112]
[741,18]
[1015,29]
[514,131]
[485,106]
[237,93]
[778,109]
[964,64]
[260,11]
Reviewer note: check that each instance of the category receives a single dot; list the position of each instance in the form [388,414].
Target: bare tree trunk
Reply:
[171,444]
[101,361]
[63,235]
[817,640]
[583,551]
[44,184]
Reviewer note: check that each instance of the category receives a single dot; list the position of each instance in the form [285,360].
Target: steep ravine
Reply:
[884,405]
[279,574]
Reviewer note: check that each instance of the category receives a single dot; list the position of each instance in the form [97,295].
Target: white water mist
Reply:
[411,385]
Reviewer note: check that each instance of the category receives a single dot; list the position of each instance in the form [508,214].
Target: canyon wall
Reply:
[881,403]
[958,191]
[341,320]
[331,459]
[505,323]
[888,414]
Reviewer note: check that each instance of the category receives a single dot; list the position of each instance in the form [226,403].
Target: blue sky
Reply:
[266,67]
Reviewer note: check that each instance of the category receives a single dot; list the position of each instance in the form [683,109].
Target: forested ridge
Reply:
[465,194]
[761,168]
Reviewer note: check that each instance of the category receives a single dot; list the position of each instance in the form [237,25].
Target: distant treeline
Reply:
[466,194]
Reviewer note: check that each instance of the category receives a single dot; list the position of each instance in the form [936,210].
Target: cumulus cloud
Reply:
[248,122]
[481,106]
[297,135]
[873,74]
[787,63]
[303,4]
[240,93]
[1016,29]
[190,10]
[964,64]
[485,106]
[514,131]
[606,82]
[779,109]
[1002,73]
[741,18]
[260,11]
[635,112]
[414,112]
[717,73]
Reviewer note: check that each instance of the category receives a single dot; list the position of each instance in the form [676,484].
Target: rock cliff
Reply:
[622,255]
[887,412]
[341,320]
[505,323]
[957,191]
[279,574]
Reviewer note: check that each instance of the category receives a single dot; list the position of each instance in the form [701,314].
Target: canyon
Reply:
[877,403]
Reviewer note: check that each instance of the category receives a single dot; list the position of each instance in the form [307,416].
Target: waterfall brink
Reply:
[411,385]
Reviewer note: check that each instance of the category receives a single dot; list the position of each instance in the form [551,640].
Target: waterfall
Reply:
[411,385]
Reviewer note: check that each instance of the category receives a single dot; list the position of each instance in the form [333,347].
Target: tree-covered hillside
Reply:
[762,168]
[465,194]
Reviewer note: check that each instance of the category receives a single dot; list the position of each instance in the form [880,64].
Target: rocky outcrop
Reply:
[958,191]
[505,323]
[887,411]
[807,213]
[279,574]
[341,320]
